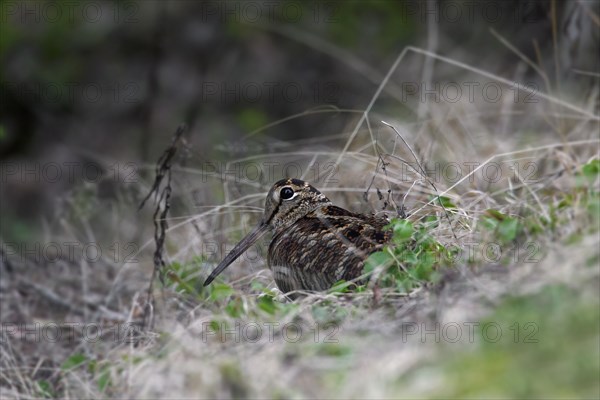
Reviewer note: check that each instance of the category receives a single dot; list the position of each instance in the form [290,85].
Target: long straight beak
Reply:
[239,248]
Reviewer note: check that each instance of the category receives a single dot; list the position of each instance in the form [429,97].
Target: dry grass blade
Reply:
[424,175]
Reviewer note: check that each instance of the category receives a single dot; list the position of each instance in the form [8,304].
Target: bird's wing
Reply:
[324,247]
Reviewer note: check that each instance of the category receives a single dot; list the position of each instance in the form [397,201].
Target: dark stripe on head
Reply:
[297,182]
[281,182]
[312,189]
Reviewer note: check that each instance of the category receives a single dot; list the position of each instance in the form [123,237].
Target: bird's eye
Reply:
[286,193]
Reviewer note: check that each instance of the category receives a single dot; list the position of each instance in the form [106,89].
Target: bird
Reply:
[315,244]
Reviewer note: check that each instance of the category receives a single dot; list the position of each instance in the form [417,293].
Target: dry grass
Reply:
[372,354]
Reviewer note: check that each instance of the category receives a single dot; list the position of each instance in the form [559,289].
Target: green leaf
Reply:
[508,229]
[594,207]
[403,230]
[376,259]
[104,379]
[220,291]
[340,286]
[591,170]
[446,202]
[45,389]
[73,362]
[488,223]
[495,214]
[267,304]
[234,308]
[334,350]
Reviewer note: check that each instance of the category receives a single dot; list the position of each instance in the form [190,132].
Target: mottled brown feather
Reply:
[327,245]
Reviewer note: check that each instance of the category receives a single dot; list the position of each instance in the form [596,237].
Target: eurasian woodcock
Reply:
[315,244]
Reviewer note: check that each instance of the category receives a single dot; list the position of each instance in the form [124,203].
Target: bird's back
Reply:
[327,245]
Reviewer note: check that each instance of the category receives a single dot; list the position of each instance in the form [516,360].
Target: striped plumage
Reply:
[315,243]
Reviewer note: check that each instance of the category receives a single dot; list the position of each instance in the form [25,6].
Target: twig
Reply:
[163,204]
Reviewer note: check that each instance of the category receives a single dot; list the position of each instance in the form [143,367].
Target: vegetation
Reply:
[487,289]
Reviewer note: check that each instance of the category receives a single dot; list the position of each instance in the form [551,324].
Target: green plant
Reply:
[503,228]
[410,260]
[184,277]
